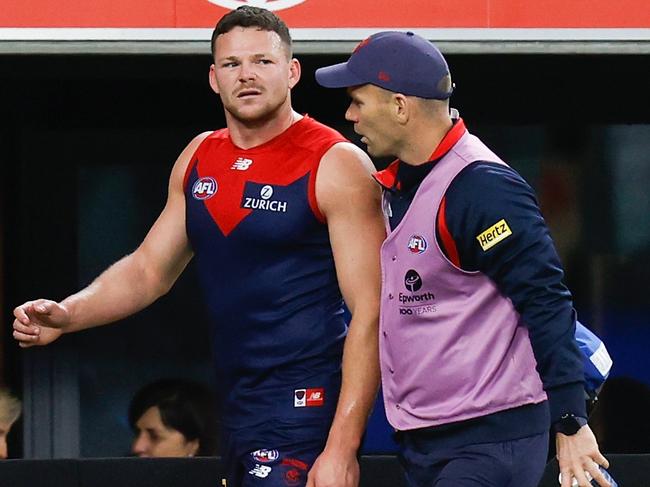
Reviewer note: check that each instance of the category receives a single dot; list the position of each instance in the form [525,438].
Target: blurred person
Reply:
[173,418]
[9,413]
[284,220]
[477,347]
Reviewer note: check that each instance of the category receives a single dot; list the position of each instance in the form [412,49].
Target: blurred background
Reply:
[87,143]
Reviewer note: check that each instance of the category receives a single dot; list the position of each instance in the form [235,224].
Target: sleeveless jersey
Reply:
[265,264]
[452,346]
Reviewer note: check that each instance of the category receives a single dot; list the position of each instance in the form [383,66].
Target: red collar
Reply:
[388,177]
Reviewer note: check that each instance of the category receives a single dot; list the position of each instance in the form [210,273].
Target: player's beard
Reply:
[259,118]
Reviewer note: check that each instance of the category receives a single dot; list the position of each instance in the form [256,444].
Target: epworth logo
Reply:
[267,4]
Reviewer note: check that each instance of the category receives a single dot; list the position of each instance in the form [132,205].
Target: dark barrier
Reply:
[376,471]
[39,473]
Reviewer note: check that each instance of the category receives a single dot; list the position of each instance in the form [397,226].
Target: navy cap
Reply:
[402,62]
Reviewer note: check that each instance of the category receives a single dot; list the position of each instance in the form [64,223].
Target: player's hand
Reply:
[39,322]
[334,468]
[577,454]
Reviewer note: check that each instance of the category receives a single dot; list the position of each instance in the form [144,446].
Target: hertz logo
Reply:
[493,235]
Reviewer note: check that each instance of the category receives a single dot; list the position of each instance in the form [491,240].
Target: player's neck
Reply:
[252,134]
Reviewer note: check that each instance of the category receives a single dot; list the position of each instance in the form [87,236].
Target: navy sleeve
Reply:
[525,267]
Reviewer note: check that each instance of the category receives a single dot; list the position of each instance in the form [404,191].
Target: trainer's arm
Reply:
[350,200]
[129,285]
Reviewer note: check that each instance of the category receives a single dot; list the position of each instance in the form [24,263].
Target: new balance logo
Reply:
[241,164]
[261,471]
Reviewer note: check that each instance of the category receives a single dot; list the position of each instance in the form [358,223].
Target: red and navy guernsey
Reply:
[265,264]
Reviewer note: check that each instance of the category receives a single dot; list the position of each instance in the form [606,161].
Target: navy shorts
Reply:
[280,455]
[514,463]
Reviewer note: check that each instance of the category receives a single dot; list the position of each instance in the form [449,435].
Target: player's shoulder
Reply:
[345,176]
[183,163]
[314,134]
[219,134]
[191,148]
[311,125]
[344,182]
[344,159]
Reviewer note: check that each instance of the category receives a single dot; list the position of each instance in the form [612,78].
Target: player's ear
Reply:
[212,79]
[294,72]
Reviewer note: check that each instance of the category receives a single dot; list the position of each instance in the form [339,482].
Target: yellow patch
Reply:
[493,235]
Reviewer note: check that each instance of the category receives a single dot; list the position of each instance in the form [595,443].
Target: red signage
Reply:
[333,13]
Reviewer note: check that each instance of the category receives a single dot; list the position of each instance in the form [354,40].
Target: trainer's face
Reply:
[252,73]
[370,111]
[154,439]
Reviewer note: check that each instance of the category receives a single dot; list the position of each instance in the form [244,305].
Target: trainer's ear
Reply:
[212,79]
[401,108]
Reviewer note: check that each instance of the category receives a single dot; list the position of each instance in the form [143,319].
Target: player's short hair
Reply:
[249,16]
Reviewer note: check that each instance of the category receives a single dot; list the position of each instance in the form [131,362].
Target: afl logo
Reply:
[265,456]
[412,280]
[267,4]
[204,188]
[417,244]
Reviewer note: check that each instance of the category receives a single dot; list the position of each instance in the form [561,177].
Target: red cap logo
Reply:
[383,76]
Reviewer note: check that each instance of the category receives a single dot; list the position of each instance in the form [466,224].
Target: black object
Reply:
[569,424]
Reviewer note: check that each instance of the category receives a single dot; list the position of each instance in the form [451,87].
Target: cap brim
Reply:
[337,76]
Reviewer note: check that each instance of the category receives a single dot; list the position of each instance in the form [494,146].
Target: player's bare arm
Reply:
[351,202]
[129,285]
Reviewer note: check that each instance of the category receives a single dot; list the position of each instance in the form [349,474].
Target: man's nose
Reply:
[350,114]
[247,72]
